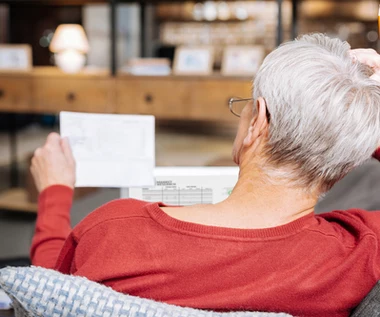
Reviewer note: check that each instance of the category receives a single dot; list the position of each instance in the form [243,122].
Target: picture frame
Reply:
[193,60]
[147,67]
[242,60]
[15,57]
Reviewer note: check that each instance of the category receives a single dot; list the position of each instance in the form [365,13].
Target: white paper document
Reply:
[185,186]
[111,150]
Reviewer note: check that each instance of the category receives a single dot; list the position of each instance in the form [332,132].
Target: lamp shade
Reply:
[69,37]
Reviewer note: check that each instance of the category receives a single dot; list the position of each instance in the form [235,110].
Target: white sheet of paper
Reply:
[187,185]
[111,150]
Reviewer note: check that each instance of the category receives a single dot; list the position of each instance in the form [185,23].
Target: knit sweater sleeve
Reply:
[376,155]
[52,226]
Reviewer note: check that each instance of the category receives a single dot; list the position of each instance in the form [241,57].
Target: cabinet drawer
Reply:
[161,97]
[54,94]
[15,94]
[188,98]
[210,99]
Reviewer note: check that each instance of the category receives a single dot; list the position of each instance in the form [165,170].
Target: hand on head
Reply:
[370,58]
[53,164]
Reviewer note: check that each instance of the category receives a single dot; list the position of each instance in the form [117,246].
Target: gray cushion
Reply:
[370,305]
[37,291]
[359,189]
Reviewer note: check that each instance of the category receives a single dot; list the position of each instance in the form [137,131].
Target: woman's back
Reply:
[314,266]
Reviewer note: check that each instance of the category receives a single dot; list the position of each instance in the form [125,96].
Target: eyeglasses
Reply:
[236,106]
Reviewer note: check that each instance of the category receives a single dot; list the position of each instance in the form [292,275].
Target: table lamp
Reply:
[70,46]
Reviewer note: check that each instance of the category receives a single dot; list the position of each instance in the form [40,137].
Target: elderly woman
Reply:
[315,116]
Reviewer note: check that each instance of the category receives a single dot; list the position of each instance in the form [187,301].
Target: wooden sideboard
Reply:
[47,90]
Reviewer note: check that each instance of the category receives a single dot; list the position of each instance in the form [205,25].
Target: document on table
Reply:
[111,150]
[185,186]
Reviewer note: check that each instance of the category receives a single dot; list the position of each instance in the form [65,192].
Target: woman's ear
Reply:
[259,123]
[262,117]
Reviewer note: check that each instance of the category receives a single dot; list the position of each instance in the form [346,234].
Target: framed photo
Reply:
[15,57]
[242,60]
[148,67]
[193,60]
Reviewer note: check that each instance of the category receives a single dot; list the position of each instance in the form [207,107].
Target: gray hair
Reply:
[325,111]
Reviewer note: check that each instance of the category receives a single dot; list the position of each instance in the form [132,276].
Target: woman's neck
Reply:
[256,202]
[262,202]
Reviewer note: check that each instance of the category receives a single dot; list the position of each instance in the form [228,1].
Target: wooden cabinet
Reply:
[46,90]
[163,97]
[211,96]
[15,93]
[88,92]
[180,97]
[67,94]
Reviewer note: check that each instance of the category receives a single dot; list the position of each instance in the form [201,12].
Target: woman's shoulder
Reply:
[352,215]
[355,222]
[115,210]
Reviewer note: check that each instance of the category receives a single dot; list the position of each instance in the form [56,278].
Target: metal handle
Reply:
[71,97]
[148,98]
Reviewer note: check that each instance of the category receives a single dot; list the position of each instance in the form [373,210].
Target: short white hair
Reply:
[324,108]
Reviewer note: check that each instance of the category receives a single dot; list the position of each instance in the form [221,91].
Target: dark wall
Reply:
[3,23]
[34,25]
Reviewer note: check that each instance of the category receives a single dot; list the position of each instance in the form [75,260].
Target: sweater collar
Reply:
[279,232]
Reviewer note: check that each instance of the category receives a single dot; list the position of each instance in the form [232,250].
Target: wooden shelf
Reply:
[214,75]
[47,71]
[47,90]
[87,72]
[16,199]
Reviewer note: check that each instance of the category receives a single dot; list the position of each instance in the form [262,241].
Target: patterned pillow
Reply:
[37,291]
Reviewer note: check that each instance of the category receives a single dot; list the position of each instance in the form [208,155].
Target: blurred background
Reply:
[127,61]
[154,29]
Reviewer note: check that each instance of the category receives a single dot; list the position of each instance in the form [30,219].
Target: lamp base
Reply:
[70,61]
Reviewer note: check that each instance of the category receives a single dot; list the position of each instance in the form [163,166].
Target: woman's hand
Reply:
[370,58]
[53,164]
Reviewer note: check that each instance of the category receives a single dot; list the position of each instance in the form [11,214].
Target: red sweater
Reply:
[315,266]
